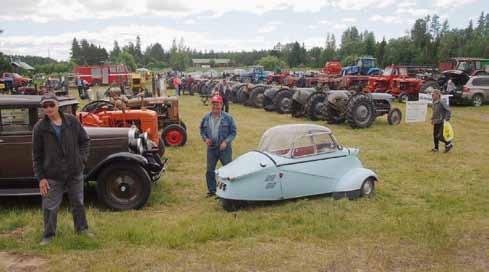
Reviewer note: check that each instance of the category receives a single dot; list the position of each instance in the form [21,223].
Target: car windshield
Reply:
[387,71]
[297,140]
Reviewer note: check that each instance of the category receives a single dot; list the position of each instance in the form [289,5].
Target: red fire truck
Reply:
[102,74]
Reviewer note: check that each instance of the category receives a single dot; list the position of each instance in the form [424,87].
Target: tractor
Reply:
[255,75]
[278,99]
[359,109]
[173,129]
[310,103]
[365,66]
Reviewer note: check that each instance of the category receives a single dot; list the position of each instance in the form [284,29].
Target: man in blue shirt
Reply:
[217,130]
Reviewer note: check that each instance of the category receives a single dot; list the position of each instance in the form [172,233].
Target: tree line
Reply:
[428,42]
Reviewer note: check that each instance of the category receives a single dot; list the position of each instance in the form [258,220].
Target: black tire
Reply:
[360,112]
[368,188]
[477,100]
[316,106]
[403,98]
[123,186]
[231,205]
[241,95]
[257,97]
[283,101]
[161,148]
[174,135]
[333,117]
[394,116]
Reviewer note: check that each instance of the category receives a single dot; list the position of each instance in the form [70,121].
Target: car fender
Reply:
[116,157]
[354,179]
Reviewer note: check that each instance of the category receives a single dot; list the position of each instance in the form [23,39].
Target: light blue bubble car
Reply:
[294,161]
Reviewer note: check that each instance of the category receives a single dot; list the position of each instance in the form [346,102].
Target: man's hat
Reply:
[49,97]
[216,99]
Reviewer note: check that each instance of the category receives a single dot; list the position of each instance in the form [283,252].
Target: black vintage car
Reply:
[123,162]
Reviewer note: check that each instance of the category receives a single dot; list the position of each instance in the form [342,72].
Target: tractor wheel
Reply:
[360,112]
[283,101]
[403,97]
[316,106]
[242,96]
[297,109]
[394,116]
[333,117]
[257,96]
[477,100]
[174,135]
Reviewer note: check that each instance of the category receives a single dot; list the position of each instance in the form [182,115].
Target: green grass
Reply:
[429,214]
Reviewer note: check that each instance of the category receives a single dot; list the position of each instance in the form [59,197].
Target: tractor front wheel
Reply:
[394,116]
[174,135]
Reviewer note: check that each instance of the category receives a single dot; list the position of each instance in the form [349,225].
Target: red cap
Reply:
[216,99]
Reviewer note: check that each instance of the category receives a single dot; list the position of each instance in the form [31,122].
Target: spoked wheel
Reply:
[174,135]
[123,186]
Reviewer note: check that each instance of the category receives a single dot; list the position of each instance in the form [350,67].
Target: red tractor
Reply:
[332,68]
[406,88]
[277,78]
[383,83]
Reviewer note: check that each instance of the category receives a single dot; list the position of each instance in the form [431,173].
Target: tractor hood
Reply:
[245,164]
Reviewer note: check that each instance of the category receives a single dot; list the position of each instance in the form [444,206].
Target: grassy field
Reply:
[429,214]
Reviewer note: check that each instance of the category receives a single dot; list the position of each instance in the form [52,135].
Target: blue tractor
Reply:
[365,66]
[256,74]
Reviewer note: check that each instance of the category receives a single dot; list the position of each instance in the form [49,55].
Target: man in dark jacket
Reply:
[217,130]
[224,91]
[59,152]
[441,113]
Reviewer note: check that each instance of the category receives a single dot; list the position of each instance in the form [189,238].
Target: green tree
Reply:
[128,60]
[271,63]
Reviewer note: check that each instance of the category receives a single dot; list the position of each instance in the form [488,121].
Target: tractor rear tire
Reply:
[257,97]
[394,116]
[283,101]
[360,112]
[316,106]
[174,135]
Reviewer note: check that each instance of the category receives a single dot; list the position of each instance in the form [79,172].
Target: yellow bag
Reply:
[447,131]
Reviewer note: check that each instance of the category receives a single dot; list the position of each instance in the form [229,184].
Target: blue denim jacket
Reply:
[227,128]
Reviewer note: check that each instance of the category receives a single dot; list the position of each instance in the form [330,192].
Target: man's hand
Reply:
[44,187]
[223,145]
[208,142]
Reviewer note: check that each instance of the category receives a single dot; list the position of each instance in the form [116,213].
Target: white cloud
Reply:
[349,20]
[452,3]
[386,19]
[358,5]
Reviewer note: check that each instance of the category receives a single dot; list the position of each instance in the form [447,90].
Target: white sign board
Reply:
[416,111]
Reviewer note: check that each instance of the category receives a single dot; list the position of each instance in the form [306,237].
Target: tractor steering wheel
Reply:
[98,106]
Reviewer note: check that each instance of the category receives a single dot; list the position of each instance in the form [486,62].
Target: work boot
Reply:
[46,241]
[434,150]
[448,147]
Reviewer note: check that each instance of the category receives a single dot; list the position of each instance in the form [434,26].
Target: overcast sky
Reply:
[47,27]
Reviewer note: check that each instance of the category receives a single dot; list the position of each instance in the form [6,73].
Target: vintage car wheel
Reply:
[477,100]
[394,116]
[368,188]
[231,205]
[283,101]
[174,135]
[123,186]
[360,111]
[161,148]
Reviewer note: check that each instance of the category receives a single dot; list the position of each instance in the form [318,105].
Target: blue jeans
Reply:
[213,156]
